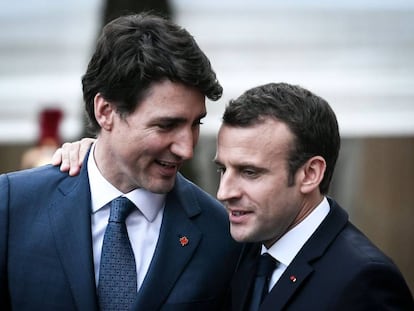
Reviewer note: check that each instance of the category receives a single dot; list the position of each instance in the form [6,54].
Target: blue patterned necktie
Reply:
[267,264]
[117,287]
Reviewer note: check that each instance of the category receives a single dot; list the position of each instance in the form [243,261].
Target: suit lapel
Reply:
[287,285]
[280,293]
[176,245]
[301,267]
[70,218]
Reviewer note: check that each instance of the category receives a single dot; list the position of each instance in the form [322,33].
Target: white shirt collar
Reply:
[287,247]
[103,192]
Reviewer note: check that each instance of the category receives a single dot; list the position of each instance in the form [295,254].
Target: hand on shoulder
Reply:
[71,155]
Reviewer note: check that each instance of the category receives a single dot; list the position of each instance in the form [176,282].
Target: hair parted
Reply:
[134,51]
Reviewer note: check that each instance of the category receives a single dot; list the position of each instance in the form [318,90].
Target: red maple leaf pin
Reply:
[183,241]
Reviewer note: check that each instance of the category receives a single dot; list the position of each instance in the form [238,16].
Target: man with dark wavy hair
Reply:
[276,152]
[144,92]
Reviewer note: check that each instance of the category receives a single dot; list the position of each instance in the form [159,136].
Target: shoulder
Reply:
[344,239]
[354,246]
[364,267]
[339,243]
[362,274]
[367,273]
[41,171]
[32,180]
[342,242]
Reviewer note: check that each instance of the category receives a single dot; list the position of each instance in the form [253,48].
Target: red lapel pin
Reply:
[183,240]
[293,278]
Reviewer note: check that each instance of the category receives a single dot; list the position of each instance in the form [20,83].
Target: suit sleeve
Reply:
[4,216]
[380,286]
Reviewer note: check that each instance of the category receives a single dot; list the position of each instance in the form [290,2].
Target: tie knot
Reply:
[266,265]
[121,207]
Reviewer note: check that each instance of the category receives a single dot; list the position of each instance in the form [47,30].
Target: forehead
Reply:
[172,99]
[264,141]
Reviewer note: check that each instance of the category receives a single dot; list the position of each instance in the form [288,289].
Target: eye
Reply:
[197,123]
[166,125]
[221,170]
[250,173]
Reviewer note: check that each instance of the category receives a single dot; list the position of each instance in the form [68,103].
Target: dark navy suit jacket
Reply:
[46,247]
[337,269]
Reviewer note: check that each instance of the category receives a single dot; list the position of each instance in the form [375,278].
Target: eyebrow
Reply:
[180,119]
[243,165]
[217,162]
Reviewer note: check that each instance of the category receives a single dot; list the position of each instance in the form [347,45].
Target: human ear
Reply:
[104,112]
[313,173]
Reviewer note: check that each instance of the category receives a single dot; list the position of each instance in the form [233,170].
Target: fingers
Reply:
[71,155]
[57,157]
[70,158]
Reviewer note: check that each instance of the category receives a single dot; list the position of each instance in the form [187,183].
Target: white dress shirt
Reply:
[289,245]
[143,225]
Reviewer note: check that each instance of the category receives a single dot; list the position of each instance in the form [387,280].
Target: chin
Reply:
[162,188]
[239,237]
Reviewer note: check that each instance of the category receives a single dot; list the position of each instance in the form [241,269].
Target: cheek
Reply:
[274,221]
[273,204]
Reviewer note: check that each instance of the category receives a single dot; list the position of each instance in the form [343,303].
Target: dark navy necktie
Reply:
[117,287]
[266,265]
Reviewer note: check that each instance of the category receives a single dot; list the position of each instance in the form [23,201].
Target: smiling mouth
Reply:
[167,164]
[239,213]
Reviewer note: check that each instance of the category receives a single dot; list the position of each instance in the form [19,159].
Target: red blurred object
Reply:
[50,119]
[49,139]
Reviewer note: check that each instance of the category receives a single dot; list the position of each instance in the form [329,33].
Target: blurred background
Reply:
[358,55]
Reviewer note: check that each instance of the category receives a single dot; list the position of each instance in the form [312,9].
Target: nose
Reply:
[228,188]
[184,143]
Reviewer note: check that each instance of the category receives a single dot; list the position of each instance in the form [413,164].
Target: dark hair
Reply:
[134,51]
[309,117]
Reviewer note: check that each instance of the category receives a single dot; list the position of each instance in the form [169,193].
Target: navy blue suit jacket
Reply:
[46,247]
[337,269]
